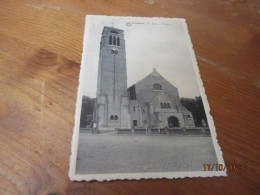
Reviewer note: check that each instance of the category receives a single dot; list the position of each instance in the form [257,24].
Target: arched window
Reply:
[168,105]
[111,117]
[188,116]
[164,105]
[118,41]
[134,108]
[116,117]
[157,86]
[161,105]
[110,40]
[114,40]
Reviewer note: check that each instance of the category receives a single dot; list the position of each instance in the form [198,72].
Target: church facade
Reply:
[152,102]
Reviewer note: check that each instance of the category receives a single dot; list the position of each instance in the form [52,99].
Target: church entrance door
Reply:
[173,122]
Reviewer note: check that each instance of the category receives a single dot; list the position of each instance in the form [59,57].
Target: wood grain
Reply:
[40,53]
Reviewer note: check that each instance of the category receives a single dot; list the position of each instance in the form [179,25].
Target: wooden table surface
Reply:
[40,54]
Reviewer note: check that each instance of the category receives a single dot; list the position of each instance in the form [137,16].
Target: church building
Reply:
[152,102]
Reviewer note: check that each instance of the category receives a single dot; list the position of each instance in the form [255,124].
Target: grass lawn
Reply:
[113,153]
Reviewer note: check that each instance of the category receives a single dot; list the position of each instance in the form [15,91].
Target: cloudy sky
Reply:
[150,43]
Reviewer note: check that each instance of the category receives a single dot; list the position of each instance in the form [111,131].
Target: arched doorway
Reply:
[173,122]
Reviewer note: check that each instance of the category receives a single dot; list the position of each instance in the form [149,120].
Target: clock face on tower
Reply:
[114,51]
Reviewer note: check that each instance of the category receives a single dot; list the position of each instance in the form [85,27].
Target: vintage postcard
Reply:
[141,109]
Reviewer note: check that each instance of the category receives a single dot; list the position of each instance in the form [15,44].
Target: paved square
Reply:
[112,153]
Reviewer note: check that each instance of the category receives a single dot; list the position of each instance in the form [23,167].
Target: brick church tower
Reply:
[112,105]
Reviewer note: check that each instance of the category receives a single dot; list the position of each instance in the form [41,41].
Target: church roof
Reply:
[157,76]
[150,86]
[162,95]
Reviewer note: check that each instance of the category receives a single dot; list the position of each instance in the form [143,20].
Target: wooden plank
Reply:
[40,53]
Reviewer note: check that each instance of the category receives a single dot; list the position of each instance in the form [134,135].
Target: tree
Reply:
[195,106]
[87,109]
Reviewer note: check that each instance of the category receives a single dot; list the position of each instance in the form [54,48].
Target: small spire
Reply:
[155,73]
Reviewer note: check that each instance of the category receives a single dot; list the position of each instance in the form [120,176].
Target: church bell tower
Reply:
[112,105]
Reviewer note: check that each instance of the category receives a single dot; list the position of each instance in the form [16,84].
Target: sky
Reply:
[150,43]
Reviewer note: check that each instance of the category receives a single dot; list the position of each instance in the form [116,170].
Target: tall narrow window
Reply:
[168,105]
[111,117]
[118,41]
[132,92]
[134,108]
[161,105]
[110,40]
[165,105]
[114,40]
[116,117]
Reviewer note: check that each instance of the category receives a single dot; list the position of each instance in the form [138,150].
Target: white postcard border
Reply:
[150,175]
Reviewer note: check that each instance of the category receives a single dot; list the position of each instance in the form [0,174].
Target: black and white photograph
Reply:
[141,108]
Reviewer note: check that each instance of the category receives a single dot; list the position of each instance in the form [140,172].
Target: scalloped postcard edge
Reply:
[144,175]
